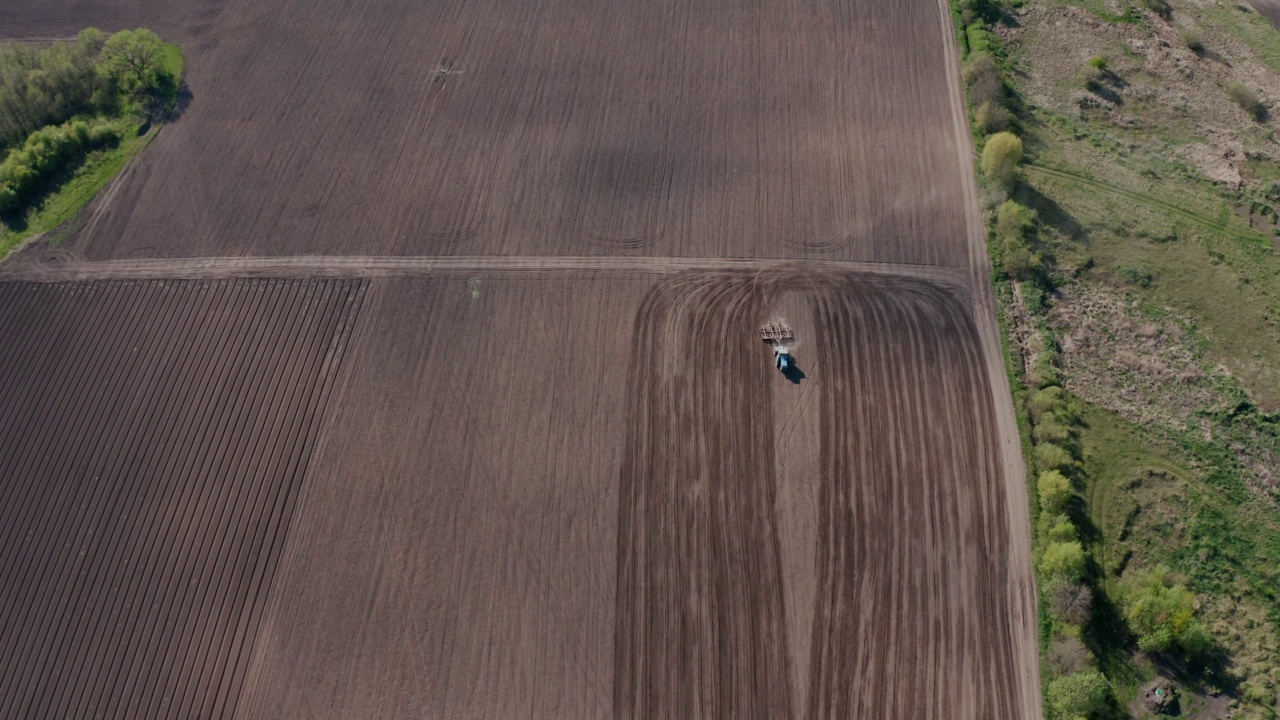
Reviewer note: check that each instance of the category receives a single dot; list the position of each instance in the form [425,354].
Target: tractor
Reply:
[779,336]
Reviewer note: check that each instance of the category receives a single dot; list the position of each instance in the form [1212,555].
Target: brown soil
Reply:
[156,435]
[567,544]
[546,128]
[1269,8]
[557,476]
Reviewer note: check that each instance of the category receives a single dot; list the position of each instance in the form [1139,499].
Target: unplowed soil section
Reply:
[155,438]
[565,127]
[568,545]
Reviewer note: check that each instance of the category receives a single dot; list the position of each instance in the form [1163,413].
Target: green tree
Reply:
[1052,457]
[1055,491]
[1079,694]
[142,67]
[1000,157]
[1063,561]
[1061,530]
[1162,613]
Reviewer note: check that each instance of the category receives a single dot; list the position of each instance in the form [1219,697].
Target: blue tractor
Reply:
[779,336]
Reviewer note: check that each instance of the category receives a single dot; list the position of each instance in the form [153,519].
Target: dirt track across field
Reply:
[62,268]
[155,438]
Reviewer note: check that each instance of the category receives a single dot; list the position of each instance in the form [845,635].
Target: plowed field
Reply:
[555,474]
[155,438]
[705,539]
[554,127]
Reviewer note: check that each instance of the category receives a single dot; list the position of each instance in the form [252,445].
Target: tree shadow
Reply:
[1049,212]
[1212,672]
[1107,635]
[185,96]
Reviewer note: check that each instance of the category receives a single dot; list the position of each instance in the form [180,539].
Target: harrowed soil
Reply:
[413,371]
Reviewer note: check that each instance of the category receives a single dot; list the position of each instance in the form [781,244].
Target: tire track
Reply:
[911,615]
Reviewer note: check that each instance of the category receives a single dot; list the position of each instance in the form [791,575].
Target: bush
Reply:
[1247,99]
[26,169]
[1067,655]
[1052,457]
[1073,602]
[1079,694]
[1193,40]
[1050,430]
[991,117]
[1001,156]
[1064,562]
[1055,492]
[1045,401]
[1161,613]
[982,77]
[1014,224]
[1137,275]
[1098,62]
[1061,530]
[1159,7]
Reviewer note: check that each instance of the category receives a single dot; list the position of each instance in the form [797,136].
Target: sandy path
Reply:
[59,267]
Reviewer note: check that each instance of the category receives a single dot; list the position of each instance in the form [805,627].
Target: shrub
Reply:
[1079,694]
[1098,62]
[1161,613]
[1055,491]
[982,77]
[1001,156]
[1046,400]
[46,151]
[1159,7]
[1064,562]
[1193,40]
[991,117]
[1137,275]
[1050,430]
[1247,99]
[1061,530]
[1052,457]
[1044,372]
[1013,225]
[1072,602]
[1067,655]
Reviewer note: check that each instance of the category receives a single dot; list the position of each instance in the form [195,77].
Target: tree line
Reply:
[60,101]
[96,74]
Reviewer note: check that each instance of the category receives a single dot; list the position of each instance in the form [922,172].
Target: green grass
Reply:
[1109,210]
[56,212]
[1160,501]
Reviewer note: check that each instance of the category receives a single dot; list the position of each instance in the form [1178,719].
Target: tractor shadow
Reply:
[793,373]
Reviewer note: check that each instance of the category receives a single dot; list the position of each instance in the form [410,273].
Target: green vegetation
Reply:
[1000,157]
[70,114]
[1136,255]
[1247,99]
[1078,694]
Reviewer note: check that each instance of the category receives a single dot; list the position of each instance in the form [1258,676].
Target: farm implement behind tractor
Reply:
[779,336]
